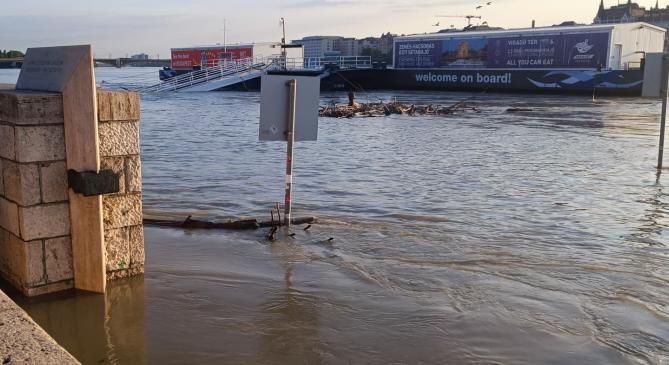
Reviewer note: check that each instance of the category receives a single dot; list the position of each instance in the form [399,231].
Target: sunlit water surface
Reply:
[480,238]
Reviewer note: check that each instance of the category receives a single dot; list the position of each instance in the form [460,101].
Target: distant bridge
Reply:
[11,62]
[116,62]
[123,62]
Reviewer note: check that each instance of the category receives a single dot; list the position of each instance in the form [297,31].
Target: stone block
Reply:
[133,174]
[49,288]
[9,217]
[12,258]
[31,107]
[54,182]
[8,142]
[35,274]
[58,259]
[119,138]
[122,210]
[117,106]
[44,221]
[21,262]
[117,246]
[22,183]
[44,143]
[116,164]
[136,239]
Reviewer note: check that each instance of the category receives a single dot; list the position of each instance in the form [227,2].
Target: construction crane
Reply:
[468,17]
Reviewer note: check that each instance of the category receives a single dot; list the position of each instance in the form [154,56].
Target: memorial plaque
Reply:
[69,70]
[274,95]
[50,68]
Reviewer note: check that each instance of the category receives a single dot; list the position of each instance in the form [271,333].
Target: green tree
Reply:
[11,54]
[15,54]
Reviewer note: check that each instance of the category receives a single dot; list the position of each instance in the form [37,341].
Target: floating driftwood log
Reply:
[367,110]
[243,224]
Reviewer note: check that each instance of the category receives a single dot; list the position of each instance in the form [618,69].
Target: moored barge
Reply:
[607,58]
[600,58]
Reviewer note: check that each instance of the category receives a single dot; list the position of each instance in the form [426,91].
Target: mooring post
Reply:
[290,138]
[664,94]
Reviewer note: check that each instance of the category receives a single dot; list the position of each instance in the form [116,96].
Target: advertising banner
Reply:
[576,50]
[584,50]
[418,54]
[464,53]
[190,58]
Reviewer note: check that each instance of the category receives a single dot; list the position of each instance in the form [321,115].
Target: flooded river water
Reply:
[480,238]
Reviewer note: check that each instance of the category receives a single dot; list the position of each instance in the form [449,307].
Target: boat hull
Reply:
[619,82]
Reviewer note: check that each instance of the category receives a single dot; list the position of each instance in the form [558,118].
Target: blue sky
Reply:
[120,27]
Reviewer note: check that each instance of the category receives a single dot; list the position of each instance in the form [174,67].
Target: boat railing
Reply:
[319,63]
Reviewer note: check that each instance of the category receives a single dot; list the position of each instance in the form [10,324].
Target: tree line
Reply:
[11,54]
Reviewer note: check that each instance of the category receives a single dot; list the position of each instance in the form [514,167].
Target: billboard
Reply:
[583,50]
[464,53]
[417,54]
[188,59]
[575,50]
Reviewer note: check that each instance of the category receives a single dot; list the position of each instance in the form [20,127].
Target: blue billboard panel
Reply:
[464,53]
[586,50]
[417,54]
[582,50]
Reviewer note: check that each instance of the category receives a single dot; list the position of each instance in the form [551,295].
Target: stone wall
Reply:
[118,113]
[35,242]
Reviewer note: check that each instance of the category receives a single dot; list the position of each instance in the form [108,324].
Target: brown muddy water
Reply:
[488,238]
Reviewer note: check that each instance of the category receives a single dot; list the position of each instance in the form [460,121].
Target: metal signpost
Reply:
[289,112]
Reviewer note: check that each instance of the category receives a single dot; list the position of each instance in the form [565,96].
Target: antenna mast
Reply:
[225,31]
[284,55]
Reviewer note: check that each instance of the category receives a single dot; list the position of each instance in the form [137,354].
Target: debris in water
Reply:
[516,110]
[366,110]
[307,227]
[241,224]
[272,232]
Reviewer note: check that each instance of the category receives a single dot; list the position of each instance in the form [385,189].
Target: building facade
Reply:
[631,12]
[329,46]
[319,46]
[140,56]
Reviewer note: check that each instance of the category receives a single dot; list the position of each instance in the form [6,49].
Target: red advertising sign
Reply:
[188,59]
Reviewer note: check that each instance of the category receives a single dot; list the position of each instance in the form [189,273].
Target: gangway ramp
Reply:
[213,78]
[228,73]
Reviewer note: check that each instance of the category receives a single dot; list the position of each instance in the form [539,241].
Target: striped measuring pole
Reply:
[290,138]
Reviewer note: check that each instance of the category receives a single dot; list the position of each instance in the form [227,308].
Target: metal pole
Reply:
[664,94]
[290,138]
[284,54]
[225,35]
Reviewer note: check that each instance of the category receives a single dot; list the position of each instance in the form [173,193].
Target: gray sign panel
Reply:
[274,107]
[50,68]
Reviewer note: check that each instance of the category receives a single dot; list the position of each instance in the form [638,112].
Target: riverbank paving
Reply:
[22,341]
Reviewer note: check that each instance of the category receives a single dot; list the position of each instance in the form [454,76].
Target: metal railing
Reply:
[344,62]
[222,69]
